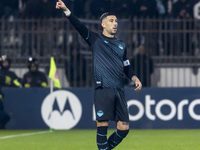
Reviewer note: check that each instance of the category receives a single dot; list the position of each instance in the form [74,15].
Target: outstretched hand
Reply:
[61,5]
[138,84]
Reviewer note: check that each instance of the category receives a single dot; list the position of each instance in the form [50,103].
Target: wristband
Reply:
[67,13]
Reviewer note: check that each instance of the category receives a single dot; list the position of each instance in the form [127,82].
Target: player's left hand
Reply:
[138,84]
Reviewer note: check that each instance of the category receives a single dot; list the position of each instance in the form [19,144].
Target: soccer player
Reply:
[109,65]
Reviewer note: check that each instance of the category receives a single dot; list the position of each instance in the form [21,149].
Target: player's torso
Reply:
[108,61]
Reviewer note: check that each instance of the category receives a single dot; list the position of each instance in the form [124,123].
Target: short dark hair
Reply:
[104,15]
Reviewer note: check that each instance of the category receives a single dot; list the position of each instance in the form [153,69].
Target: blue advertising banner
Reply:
[152,108]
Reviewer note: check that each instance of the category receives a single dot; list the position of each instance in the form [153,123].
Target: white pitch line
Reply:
[26,134]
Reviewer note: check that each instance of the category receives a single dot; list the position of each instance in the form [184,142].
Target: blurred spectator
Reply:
[79,12]
[145,8]
[11,8]
[121,8]
[162,7]
[197,26]
[2,9]
[33,9]
[75,70]
[182,9]
[94,8]
[39,9]
[98,7]
[48,9]
[34,77]
[22,4]
[4,117]
[142,65]
[87,8]
[9,78]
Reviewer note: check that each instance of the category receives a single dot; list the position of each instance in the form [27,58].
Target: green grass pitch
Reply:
[86,140]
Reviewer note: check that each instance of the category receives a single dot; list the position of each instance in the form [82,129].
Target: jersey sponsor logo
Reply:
[126,63]
[100,113]
[120,46]
[61,110]
[106,42]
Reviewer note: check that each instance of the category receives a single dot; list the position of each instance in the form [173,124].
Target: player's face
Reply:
[110,24]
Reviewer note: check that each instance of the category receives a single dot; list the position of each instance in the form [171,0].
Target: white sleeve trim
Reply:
[67,13]
[126,63]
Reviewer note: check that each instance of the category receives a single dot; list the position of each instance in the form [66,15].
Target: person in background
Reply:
[2,5]
[4,117]
[9,78]
[142,65]
[38,9]
[183,11]
[34,77]
[11,8]
[162,6]
[145,9]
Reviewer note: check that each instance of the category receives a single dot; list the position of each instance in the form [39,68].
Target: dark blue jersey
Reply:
[109,57]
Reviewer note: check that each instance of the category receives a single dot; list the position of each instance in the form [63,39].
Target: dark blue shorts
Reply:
[110,104]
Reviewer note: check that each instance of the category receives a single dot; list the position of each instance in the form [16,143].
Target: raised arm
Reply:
[81,28]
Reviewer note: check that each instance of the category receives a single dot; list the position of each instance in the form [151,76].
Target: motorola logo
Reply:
[61,110]
[176,111]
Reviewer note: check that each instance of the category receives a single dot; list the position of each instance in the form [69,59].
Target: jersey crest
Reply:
[106,42]
[120,46]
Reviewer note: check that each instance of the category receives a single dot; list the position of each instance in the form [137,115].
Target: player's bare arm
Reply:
[138,84]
